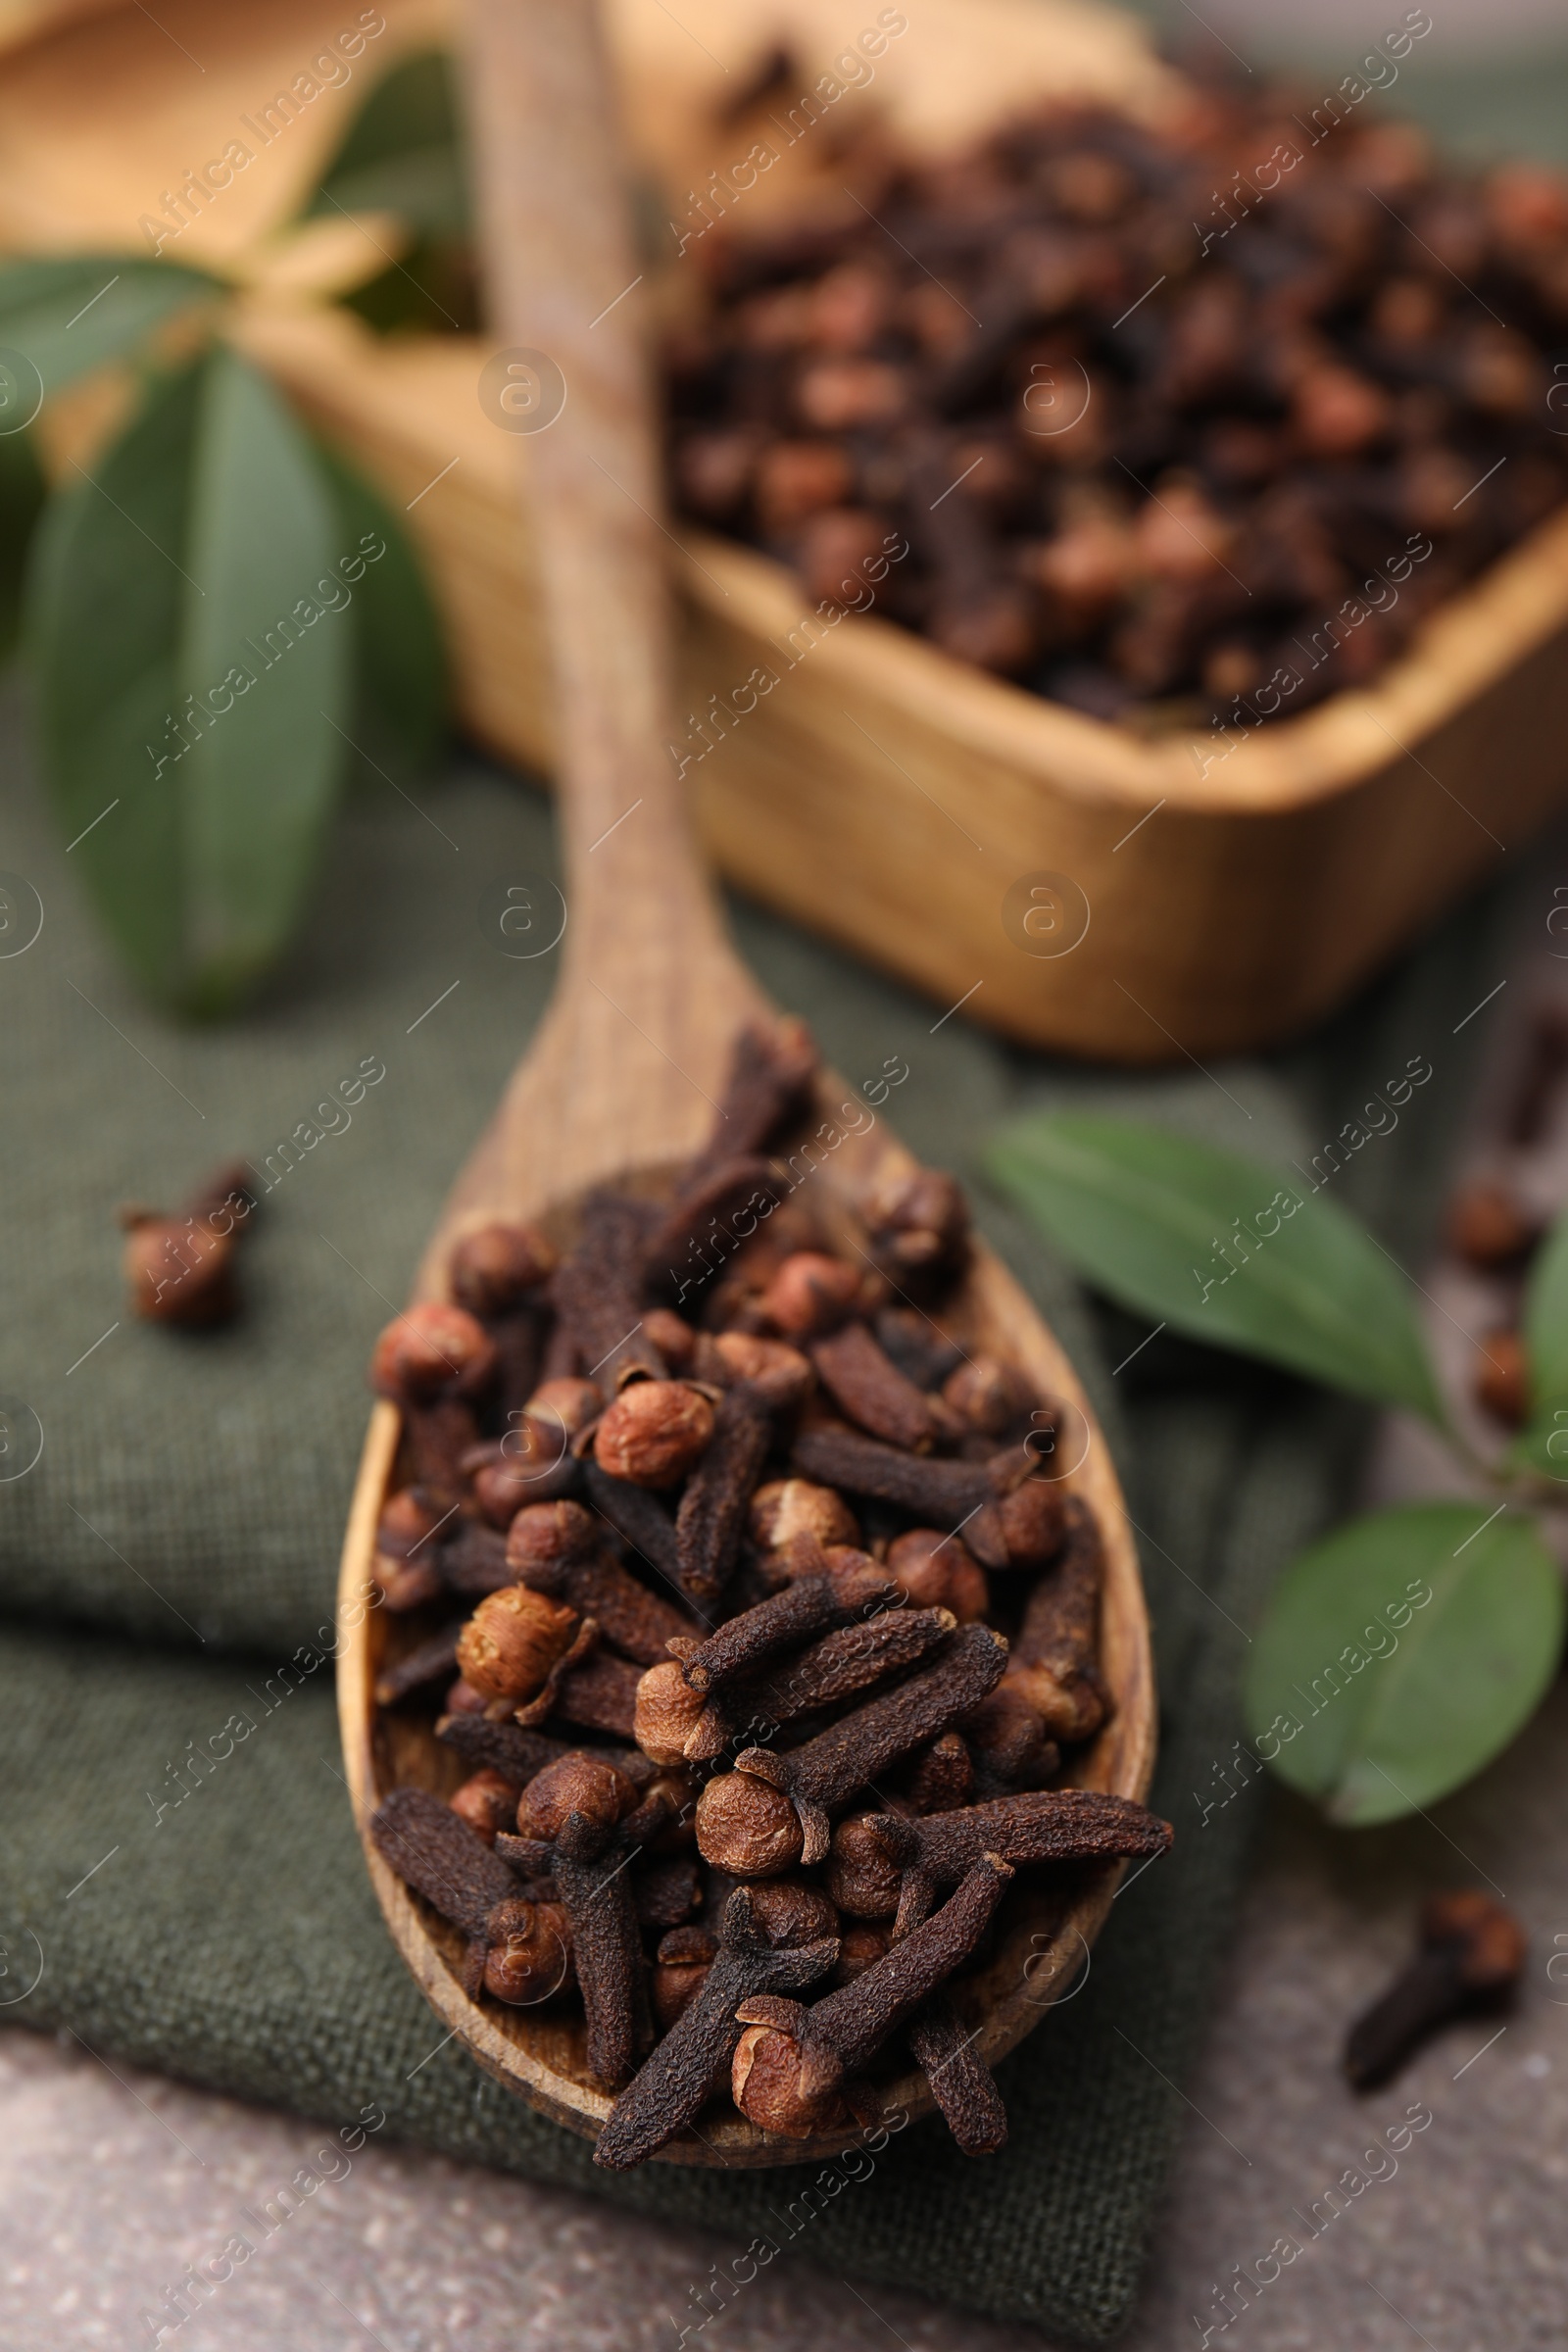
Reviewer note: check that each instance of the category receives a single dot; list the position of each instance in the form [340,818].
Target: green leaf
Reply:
[403,152]
[400,683]
[193,760]
[1401,1655]
[1543,1446]
[21,495]
[71,315]
[1222,1249]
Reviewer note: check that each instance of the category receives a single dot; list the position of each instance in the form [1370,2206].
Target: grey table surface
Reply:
[111,2184]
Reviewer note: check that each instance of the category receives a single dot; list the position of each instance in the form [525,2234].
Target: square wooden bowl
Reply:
[880,792]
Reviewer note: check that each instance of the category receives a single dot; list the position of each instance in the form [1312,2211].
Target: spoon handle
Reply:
[564,280]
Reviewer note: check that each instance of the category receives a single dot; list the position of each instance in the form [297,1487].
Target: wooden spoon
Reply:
[624,1074]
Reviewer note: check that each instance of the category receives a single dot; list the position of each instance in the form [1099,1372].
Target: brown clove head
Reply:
[667,1712]
[492,1270]
[530,1952]
[513,1639]
[653,1433]
[487,1802]
[811,1293]
[578,1783]
[543,1535]
[746,1827]
[786,1508]
[936,1571]
[432,1351]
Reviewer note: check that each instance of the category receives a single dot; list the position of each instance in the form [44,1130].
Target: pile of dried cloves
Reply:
[777,1628]
[1163,424]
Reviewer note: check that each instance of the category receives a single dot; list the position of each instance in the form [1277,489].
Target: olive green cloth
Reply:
[175,1543]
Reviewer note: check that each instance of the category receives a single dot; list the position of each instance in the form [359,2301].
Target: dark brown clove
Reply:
[598,1292]
[432,1661]
[884,1864]
[638,1517]
[446,1861]
[822,1676]
[711,1518]
[790,2067]
[673,2083]
[1053,1660]
[864,1382]
[961,2084]
[828,1770]
[587,1862]
[1472,1955]
[519,1753]
[769,1085]
[1007,1746]
[919,1226]
[782,1622]
[473,1562]
[555,1549]
[598,1691]
[667,1890]
[700,1220]
[943,1777]
[922,1352]
[944,1491]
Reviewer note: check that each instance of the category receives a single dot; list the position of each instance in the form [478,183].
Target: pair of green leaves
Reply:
[1371,1716]
[222,621]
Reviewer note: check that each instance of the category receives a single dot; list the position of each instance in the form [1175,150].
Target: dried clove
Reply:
[699,1219]
[790,2067]
[680,1971]
[870,1387]
[961,2084]
[443,1859]
[793,1506]
[518,1754]
[596,1292]
[712,1518]
[1472,1955]
[884,1865]
[487,1802]
[555,1549]
[600,1692]
[1054,1661]
[673,2083]
[771,1076]
[825,1674]
[829,1769]
[782,1622]
[667,1890]
[638,1518]
[950,1491]
[530,1954]
[513,1640]
[587,1863]
[432,1661]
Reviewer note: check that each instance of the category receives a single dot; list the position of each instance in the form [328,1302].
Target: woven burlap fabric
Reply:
[176,1541]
